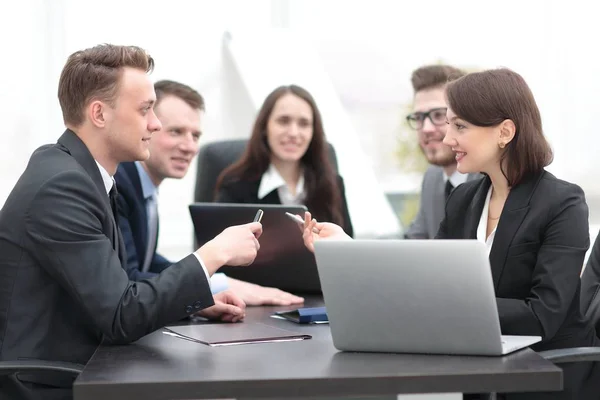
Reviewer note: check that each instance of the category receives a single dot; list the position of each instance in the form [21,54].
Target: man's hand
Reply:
[236,246]
[326,231]
[256,295]
[228,308]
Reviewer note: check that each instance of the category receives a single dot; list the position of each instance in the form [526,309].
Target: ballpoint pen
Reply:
[300,221]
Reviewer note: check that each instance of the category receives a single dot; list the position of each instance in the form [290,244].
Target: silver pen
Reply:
[300,221]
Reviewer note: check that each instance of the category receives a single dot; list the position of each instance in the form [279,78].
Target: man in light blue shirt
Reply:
[172,150]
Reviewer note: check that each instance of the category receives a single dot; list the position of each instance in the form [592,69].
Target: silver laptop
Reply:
[412,296]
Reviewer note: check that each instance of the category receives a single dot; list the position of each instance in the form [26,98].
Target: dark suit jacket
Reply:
[133,221]
[536,260]
[238,191]
[63,289]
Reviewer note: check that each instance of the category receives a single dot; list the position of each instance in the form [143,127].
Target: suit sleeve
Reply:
[345,213]
[132,266]
[555,278]
[64,225]
[218,282]
[442,232]
[159,263]
[418,227]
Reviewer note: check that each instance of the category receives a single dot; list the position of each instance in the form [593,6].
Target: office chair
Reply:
[62,374]
[214,157]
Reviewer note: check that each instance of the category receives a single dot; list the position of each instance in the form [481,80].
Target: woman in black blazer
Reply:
[534,225]
[287,161]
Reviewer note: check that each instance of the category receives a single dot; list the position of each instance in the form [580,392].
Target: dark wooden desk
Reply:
[159,366]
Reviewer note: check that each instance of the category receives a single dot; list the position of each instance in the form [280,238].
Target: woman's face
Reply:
[290,128]
[476,148]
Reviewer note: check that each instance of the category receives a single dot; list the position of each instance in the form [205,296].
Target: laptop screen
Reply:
[282,262]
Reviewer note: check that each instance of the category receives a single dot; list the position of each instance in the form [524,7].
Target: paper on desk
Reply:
[233,334]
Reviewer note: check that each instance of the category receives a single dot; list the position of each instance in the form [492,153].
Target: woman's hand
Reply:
[326,231]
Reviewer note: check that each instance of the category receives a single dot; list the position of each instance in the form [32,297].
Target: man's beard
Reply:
[441,158]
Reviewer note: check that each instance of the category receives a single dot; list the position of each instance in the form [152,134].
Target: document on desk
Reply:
[215,335]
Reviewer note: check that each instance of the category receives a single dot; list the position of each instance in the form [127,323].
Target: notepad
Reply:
[313,315]
[233,334]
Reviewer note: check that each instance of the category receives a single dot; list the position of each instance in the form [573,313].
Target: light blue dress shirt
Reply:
[218,282]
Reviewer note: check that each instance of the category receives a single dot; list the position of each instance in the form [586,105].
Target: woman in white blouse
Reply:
[535,225]
[287,160]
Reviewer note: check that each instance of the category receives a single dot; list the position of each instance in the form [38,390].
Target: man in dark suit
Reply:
[172,149]
[64,289]
[429,120]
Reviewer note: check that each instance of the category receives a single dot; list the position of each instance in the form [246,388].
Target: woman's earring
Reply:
[501,144]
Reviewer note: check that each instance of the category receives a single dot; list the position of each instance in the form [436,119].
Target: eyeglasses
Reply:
[437,116]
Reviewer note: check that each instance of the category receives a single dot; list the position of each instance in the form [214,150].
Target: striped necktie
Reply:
[152,213]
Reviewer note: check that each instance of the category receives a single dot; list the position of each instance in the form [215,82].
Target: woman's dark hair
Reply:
[322,192]
[486,99]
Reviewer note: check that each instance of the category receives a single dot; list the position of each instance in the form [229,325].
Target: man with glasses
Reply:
[429,121]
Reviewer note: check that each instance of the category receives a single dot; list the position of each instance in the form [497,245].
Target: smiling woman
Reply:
[534,225]
[287,161]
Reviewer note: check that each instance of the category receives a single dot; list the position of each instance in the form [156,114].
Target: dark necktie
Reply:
[118,244]
[113,195]
[448,188]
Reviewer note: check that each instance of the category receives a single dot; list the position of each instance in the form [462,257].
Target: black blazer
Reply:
[536,259]
[63,289]
[241,191]
[133,222]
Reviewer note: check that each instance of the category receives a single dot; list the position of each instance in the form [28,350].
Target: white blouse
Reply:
[482,227]
[272,180]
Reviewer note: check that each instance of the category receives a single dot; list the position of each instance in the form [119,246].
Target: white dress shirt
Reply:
[108,180]
[482,227]
[457,178]
[272,180]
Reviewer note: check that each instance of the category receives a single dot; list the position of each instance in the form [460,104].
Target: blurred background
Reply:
[355,57]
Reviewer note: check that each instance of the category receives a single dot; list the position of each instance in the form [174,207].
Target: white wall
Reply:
[24,110]
[184,37]
[374,45]
[368,47]
[265,60]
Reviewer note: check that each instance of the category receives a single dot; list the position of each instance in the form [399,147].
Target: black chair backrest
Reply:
[590,287]
[214,157]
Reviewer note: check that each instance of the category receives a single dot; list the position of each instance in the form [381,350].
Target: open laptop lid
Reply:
[412,296]
[283,261]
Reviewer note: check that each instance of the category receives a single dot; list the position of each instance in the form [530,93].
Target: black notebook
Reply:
[233,334]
